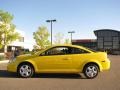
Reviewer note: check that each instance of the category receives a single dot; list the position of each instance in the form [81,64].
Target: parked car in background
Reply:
[61,59]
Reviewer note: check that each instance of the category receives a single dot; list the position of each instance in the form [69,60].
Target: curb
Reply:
[4,61]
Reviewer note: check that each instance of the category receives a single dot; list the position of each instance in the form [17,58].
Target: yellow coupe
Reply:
[61,59]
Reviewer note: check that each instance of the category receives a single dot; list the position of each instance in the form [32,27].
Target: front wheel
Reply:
[91,71]
[25,71]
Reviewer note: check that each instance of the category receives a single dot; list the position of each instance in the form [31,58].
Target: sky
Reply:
[81,16]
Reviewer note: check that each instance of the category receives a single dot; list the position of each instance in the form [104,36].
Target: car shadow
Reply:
[59,75]
[6,74]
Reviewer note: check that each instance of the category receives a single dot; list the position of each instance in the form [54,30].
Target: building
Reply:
[109,40]
[90,43]
[18,44]
[23,43]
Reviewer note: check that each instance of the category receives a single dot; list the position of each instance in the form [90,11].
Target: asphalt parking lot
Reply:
[108,80]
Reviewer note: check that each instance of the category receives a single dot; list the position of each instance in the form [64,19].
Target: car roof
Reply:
[69,45]
[76,46]
[66,45]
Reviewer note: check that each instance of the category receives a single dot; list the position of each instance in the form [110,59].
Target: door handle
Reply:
[66,58]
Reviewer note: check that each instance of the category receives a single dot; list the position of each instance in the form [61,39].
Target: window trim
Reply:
[87,52]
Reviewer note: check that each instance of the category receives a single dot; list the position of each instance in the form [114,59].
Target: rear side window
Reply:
[77,51]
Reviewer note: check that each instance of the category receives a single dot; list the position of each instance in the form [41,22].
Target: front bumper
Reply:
[11,67]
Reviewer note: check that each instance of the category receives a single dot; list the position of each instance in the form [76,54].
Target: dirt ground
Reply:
[108,80]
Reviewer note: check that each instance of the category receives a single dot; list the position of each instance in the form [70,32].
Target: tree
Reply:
[7,30]
[0,39]
[36,47]
[67,41]
[41,37]
[59,38]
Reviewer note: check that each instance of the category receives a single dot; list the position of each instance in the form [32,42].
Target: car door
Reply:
[78,58]
[55,59]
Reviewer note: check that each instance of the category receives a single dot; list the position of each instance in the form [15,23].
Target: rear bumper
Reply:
[106,65]
[11,67]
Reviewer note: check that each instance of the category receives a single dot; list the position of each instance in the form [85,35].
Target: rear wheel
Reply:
[25,70]
[91,71]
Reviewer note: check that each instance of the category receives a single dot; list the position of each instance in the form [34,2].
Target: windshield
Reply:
[37,52]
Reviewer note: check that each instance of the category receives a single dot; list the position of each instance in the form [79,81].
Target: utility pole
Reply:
[71,32]
[51,21]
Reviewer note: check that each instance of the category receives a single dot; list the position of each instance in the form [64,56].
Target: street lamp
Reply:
[71,32]
[51,21]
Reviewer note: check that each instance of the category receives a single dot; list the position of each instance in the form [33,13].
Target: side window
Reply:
[56,51]
[63,51]
[78,51]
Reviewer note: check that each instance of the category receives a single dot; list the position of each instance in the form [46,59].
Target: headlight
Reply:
[12,60]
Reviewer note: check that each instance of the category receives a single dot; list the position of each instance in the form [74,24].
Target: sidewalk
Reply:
[4,61]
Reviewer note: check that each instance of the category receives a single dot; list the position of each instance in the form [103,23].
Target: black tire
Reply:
[25,70]
[91,71]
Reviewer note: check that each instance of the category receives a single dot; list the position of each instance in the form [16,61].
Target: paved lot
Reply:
[108,80]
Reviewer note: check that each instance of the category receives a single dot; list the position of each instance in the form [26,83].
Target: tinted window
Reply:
[78,51]
[57,51]
[63,51]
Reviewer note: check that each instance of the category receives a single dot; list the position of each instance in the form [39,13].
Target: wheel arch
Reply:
[26,62]
[97,64]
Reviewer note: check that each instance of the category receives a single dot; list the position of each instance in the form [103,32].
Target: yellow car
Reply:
[61,59]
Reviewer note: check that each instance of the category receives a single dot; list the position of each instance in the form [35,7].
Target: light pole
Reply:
[51,21]
[71,32]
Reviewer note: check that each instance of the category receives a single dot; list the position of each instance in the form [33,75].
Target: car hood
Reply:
[24,57]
